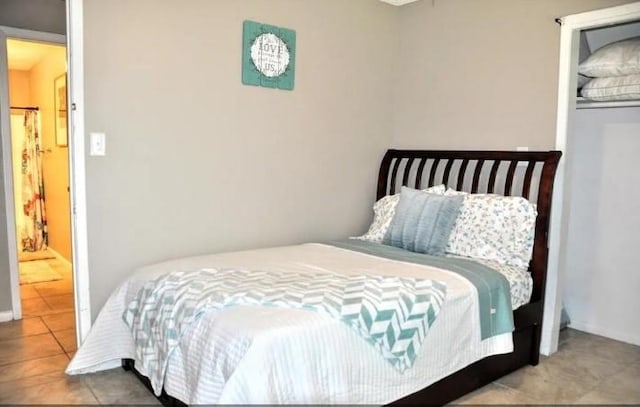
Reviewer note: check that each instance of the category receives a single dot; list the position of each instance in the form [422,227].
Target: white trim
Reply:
[60,257]
[7,169]
[6,316]
[14,269]
[608,333]
[567,78]
[569,45]
[79,239]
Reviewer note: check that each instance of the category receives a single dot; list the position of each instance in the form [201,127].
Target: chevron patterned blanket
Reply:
[393,314]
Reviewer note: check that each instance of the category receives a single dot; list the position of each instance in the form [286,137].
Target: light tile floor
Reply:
[35,351]
[51,304]
[587,369]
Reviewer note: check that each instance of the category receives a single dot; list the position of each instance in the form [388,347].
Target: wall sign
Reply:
[268,55]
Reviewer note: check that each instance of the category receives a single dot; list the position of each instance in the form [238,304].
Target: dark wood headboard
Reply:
[528,174]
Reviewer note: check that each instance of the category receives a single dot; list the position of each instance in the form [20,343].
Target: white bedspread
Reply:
[273,355]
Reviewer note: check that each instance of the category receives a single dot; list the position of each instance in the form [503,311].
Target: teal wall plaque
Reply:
[268,55]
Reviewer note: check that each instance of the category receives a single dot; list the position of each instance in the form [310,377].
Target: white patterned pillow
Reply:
[612,88]
[383,211]
[615,59]
[494,227]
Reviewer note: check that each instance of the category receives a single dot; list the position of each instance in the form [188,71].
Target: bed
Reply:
[307,357]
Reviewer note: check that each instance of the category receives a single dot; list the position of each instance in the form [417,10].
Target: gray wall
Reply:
[602,280]
[480,74]
[199,163]
[37,15]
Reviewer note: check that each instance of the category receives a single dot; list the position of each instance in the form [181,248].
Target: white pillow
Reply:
[494,227]
[582,80]
[612,88]
[615,59]
[383,211]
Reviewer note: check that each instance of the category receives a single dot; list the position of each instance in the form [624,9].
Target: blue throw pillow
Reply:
[423,221]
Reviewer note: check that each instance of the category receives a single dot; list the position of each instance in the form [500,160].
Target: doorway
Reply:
[40,167]
[571,28]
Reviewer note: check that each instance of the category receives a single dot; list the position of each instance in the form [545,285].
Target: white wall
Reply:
[602,281]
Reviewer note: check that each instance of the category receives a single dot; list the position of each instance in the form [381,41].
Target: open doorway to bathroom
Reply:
[40,163]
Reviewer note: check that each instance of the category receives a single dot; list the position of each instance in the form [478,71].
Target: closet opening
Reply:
[608,73]
[592,270]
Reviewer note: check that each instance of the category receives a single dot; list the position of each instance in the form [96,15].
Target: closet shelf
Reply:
[582,103]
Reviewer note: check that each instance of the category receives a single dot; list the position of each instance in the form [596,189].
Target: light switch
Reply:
[98,144]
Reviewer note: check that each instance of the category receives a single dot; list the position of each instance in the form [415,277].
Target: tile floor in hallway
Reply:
[587,369]
[50,304]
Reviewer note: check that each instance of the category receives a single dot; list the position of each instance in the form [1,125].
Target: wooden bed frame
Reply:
[480,171]
[509,173]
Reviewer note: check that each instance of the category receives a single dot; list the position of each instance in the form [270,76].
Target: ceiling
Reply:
[24,55]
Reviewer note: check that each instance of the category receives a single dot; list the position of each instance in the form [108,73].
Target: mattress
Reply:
[272,355]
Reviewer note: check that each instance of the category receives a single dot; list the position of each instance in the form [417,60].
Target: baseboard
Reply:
[60,257]
[6,316]
[627,337]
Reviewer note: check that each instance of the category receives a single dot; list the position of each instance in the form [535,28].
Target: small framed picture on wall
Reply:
[60,109]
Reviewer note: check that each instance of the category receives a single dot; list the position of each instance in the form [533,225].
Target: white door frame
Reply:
[77,174]
[567,84]
[75,95]
[7,169]
[5,131]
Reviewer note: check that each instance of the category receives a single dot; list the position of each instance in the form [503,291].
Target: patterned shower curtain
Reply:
[33,234]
